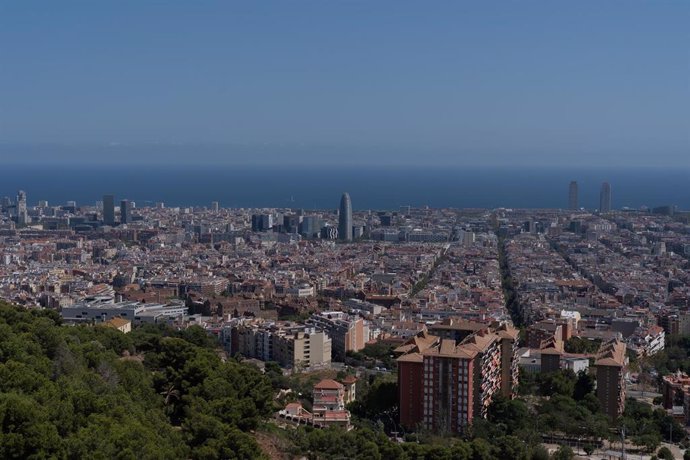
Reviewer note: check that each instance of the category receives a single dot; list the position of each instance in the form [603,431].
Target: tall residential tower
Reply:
[125,212]
[345,218]
[605,198]
[572,196]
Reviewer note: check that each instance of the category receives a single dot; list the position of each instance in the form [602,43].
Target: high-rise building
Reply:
[125,211]
[215,206]
[444,383]
[572,196]
[310,226]
[345,218]
[610,365]
[605,198]
[22,212]
[108,209]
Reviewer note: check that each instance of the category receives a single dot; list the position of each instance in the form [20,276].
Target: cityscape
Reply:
[466,304]
[344,230]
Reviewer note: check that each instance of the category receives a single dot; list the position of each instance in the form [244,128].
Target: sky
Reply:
[442,83]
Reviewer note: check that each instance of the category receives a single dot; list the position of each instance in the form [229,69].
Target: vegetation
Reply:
[582,345]
[83,391]
[376,354]
[93,392]
[675,356]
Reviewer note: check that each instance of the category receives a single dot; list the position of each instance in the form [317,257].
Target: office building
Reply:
[215,206]
[345,218]
[610,363]
[310,226]
[605,198]
[99,311]
[22,212]
[572,196]
[290,223]
[125,212]
[108,210]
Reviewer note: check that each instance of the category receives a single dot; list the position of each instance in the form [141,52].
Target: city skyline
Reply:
[340,229]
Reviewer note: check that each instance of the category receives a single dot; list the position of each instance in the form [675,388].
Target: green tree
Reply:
[665,453]
[564,453]
[539,452]
[511,413]
[558,383]
[584,385]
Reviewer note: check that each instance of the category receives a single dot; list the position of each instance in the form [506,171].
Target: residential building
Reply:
[348,332]
[125,212]
[610,364]
[676,394]
[445,383]
[605,198]
[328,408]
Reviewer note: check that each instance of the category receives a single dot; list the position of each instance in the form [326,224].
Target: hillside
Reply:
[93,392]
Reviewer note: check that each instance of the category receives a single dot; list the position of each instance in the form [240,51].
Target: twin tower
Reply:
[604,197]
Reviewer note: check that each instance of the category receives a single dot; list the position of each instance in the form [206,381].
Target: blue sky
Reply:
[547,83]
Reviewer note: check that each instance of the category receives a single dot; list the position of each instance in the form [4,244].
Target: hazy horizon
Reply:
[604,84]
[300,155]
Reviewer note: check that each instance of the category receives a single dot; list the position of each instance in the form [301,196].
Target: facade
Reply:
[125,211]
[572,196]
[345,218]
[328,408]
[133,311]
[610,366]
[22,211]
[605,198]
[676,393]
[122,325]
[348,332]
[309,226]
[675,323]
[108,209]
[444,383]
[302,349]
[289,344]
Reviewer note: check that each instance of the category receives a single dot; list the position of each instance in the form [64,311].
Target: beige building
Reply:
[302,349]
[120,324]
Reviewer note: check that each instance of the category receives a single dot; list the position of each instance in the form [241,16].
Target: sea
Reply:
[320,187]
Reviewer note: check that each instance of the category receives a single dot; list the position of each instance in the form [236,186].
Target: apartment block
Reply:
[289,344]
[347,332]
[444,383]
[610,364]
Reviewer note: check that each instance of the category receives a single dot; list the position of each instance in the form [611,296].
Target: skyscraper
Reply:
[22,213]
[108,209]
[572,196]
[605,198]
[345,218]
[125,212]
